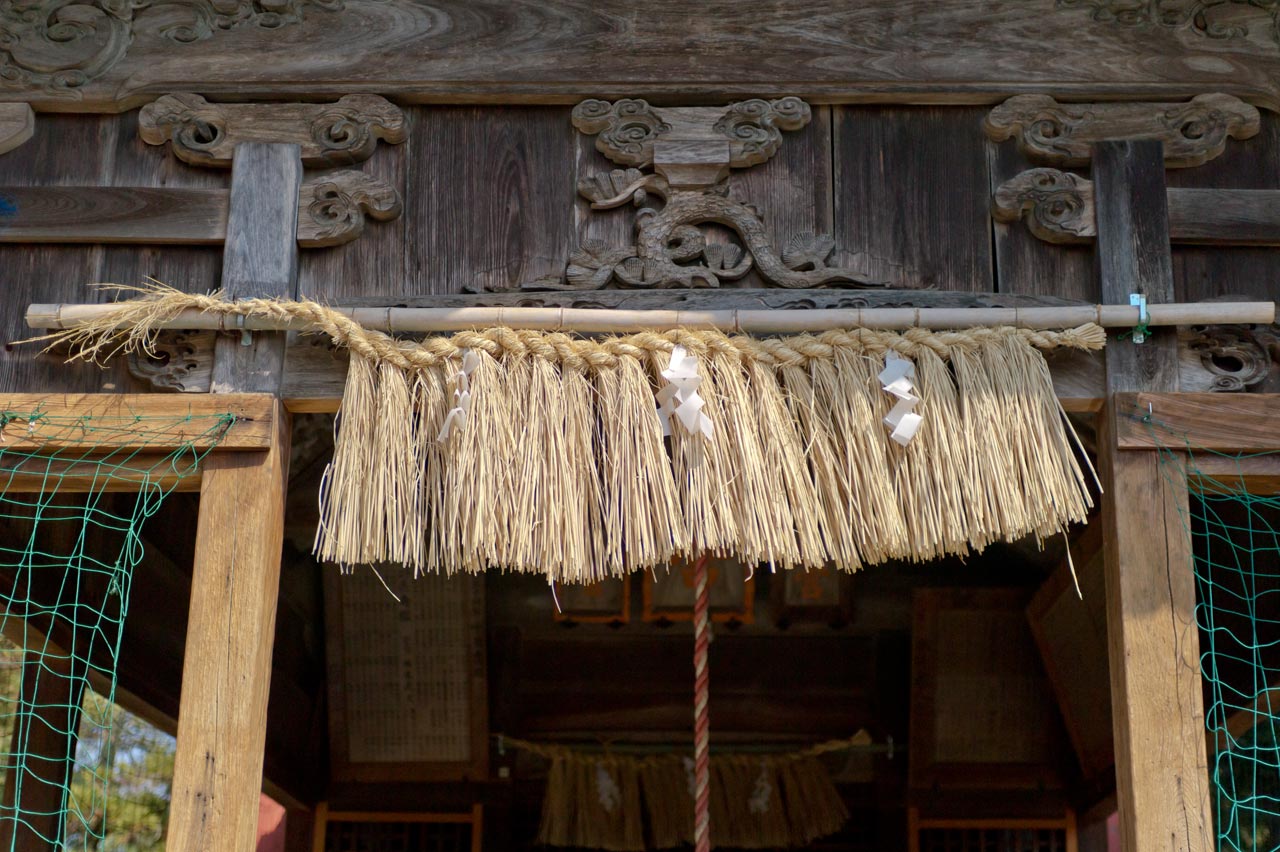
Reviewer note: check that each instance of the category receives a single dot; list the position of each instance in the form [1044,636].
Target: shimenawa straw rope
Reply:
[561,467]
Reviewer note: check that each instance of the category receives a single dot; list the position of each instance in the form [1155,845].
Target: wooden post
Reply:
[222,719]
[1162,778]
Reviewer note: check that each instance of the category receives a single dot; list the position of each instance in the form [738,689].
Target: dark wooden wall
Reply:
[489,200]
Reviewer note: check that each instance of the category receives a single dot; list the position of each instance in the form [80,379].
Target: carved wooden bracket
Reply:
[1059,208]
[1193,132]
[17,123]
[333,134]
[1237,358]
[331,210]
[691,150]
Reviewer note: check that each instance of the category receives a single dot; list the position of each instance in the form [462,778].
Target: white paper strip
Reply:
[679,397]
[896,378]
[456,419]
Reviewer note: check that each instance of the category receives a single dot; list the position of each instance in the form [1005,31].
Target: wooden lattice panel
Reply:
[407,677]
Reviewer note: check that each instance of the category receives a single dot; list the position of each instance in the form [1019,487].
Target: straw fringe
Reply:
[561,467]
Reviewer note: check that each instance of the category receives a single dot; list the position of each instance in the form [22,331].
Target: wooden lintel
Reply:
[39,475]
[153,423]
[332,209]
[1228,423]
[1258,475]
[1059,207]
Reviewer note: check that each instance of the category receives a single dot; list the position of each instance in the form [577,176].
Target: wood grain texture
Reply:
[1024,263]
[222,722]
[17,124]
[1058,207]
[560,52]
[335,134]
[938,235]
[260,258]
[1259,475]
[1162,777]
[1230,423]
[125,420]
[1193,132]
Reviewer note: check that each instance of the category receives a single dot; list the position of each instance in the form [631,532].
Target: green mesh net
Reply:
[1237,564]
[66,564]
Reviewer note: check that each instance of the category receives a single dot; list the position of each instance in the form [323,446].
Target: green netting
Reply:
[1236,550]
[66,564]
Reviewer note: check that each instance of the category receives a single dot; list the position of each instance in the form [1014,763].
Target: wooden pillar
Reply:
[222,719]
[1162,779]
[53,686]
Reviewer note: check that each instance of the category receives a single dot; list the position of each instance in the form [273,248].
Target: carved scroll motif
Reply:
[17,124]
[330,134]
[57,46]
[1214,19]
[1236,358]
[1062,134]
[182,361]
[1058,206]
[691,150]
[332,208]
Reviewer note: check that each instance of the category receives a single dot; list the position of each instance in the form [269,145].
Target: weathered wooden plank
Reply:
[1156,693]
[36,475]
[17,124]
[260,259]
[226,676]
[560,52]
[1234,422]
[1257,475]
[500,215]
[1058,207]
[157,424]
[330,211]
[334,134]
[936,237]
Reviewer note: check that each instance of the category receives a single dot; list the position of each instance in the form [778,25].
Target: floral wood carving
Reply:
[1063,134]
[329,134]
[690,150]
[60,45]
[1058,206]
[1215,19]
[332,208]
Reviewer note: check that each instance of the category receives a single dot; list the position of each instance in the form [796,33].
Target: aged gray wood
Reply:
[1025,264]
[17,124]
[937,235]
[332,211]
[564,50]
[1058,207]
[1158,715]
[1193,132]
[260,258]
[333,134]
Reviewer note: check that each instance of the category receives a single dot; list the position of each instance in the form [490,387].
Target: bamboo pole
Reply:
[595,320]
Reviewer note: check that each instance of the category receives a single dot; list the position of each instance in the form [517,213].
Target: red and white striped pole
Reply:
[701,721]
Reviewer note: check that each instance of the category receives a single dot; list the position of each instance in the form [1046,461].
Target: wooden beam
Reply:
[1228,423]
[222,721]
[1162,776]
[152,423]
[331,211]
[1258,475]
[559,51]
[1059,207]
[17,124]
[39,475]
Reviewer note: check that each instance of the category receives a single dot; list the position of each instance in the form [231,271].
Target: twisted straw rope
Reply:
[159,304]
[552,751]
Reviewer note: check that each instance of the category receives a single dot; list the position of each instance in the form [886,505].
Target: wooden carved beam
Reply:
[334,134]
[110,56]
[1059,208]
[17,123]
[332,210]
[1057,134]
[690,150]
